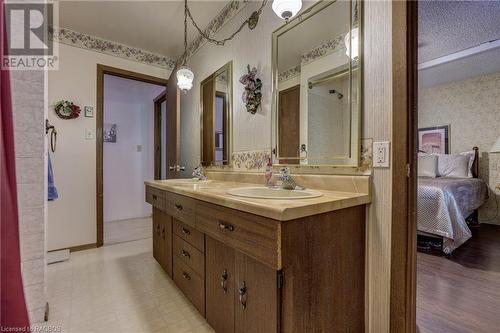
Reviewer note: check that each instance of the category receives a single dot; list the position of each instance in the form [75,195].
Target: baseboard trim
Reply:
[78,247]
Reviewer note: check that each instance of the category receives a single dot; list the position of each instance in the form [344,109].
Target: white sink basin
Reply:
[186,181]
[273,193]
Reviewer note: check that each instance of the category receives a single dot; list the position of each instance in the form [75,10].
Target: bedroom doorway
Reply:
[456,134]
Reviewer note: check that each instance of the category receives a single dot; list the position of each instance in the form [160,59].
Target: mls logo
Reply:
[29,45]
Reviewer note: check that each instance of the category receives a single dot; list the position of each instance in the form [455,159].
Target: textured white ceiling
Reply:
[155,26]
[447,27]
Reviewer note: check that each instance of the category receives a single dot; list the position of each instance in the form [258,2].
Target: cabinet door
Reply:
[166,243]
[220,289]
[157,228]
[256,296]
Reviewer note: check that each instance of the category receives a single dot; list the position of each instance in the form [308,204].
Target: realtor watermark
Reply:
[29,46]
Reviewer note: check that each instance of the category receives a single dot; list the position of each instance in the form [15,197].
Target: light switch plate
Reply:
[89,134]
[381,154]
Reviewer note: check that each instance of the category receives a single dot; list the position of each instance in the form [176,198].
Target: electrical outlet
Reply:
[381,154]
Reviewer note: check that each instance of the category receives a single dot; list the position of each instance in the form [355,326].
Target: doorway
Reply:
[127,150]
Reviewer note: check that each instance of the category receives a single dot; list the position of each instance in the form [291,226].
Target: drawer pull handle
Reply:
[243,295]
[186,276]
[185,253]
[225,226]
[223,281]
[186,231]
[163,233]
[155,197]
[178,206]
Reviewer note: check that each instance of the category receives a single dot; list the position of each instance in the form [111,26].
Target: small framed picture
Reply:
[89,111]
[434,140]
[109,133]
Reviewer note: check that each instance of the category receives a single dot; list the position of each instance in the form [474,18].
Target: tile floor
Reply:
[127,230]
[118,288]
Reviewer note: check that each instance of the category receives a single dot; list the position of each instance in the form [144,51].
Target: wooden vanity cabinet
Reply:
[246,273]
[162,239]
[241,293]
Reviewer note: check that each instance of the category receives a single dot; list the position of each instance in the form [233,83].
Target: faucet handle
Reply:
[285,172]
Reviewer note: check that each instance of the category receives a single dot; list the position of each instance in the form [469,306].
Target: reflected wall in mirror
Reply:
[216,113]
[317,86]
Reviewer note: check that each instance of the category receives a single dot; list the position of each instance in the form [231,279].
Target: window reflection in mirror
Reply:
[216,97]
[316,57]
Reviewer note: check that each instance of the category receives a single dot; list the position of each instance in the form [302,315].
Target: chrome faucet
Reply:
[287,182]
[199,174]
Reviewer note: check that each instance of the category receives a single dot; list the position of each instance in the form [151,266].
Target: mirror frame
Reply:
[307,13]
[229,117]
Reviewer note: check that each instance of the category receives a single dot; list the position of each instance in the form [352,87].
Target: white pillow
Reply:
[456,166]
[471,154]
[427,165]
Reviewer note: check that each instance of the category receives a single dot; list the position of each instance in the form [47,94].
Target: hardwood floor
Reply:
[461,293]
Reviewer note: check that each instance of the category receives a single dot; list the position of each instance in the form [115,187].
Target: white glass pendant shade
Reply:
[286,9]
[352,38]
[185,78]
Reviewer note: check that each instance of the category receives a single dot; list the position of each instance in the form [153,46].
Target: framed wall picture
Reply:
[434,140]
[109,133]
[89,111]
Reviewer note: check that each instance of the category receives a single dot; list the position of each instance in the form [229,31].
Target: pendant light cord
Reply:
[255,15]
[185,33]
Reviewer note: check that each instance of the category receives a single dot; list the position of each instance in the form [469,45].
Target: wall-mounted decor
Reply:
[109,133]
[434,140]
[252,95]
[88,111]
[67,110]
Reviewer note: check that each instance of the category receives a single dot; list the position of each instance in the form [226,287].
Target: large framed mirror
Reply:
[317,86]
[216,117]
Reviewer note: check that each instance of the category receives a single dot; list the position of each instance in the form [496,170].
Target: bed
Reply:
[446,205]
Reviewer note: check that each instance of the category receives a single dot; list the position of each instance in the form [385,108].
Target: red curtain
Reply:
[13,306]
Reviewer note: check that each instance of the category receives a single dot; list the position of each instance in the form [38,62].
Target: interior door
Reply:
[173,107]
[289,124]
[219,286]
[208,93]
[160,147]
[256,296]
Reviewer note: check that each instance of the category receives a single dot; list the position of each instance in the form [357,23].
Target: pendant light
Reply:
[351,39]
[185,75]
[286,9]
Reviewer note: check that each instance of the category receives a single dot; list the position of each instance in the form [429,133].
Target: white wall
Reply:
[72,217]
[128,104]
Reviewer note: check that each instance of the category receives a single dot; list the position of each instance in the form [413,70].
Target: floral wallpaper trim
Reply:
[289,73]
[84,41]
[224,16]
[251,160]
[324,49]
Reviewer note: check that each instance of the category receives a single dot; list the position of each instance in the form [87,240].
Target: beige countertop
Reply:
[216,192]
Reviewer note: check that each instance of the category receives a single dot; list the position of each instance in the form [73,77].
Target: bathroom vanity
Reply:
[263,265]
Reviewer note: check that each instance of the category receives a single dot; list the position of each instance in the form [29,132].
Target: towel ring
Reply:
[53,135]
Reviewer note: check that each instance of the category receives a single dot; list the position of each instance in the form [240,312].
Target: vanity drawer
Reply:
[181,207]
[190,284]
[191,256]
[189,234]
[253,235]
[156,197]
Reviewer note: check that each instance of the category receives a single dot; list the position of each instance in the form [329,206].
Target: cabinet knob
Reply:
[223,281]
[155,197]
[185,253]
[186,231]
[163,233]
[225,226]
[178,206]
[186,276]
[243,295]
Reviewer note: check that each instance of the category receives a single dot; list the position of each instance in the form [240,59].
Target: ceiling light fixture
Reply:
[351,43]
[286,9]
[185,75]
